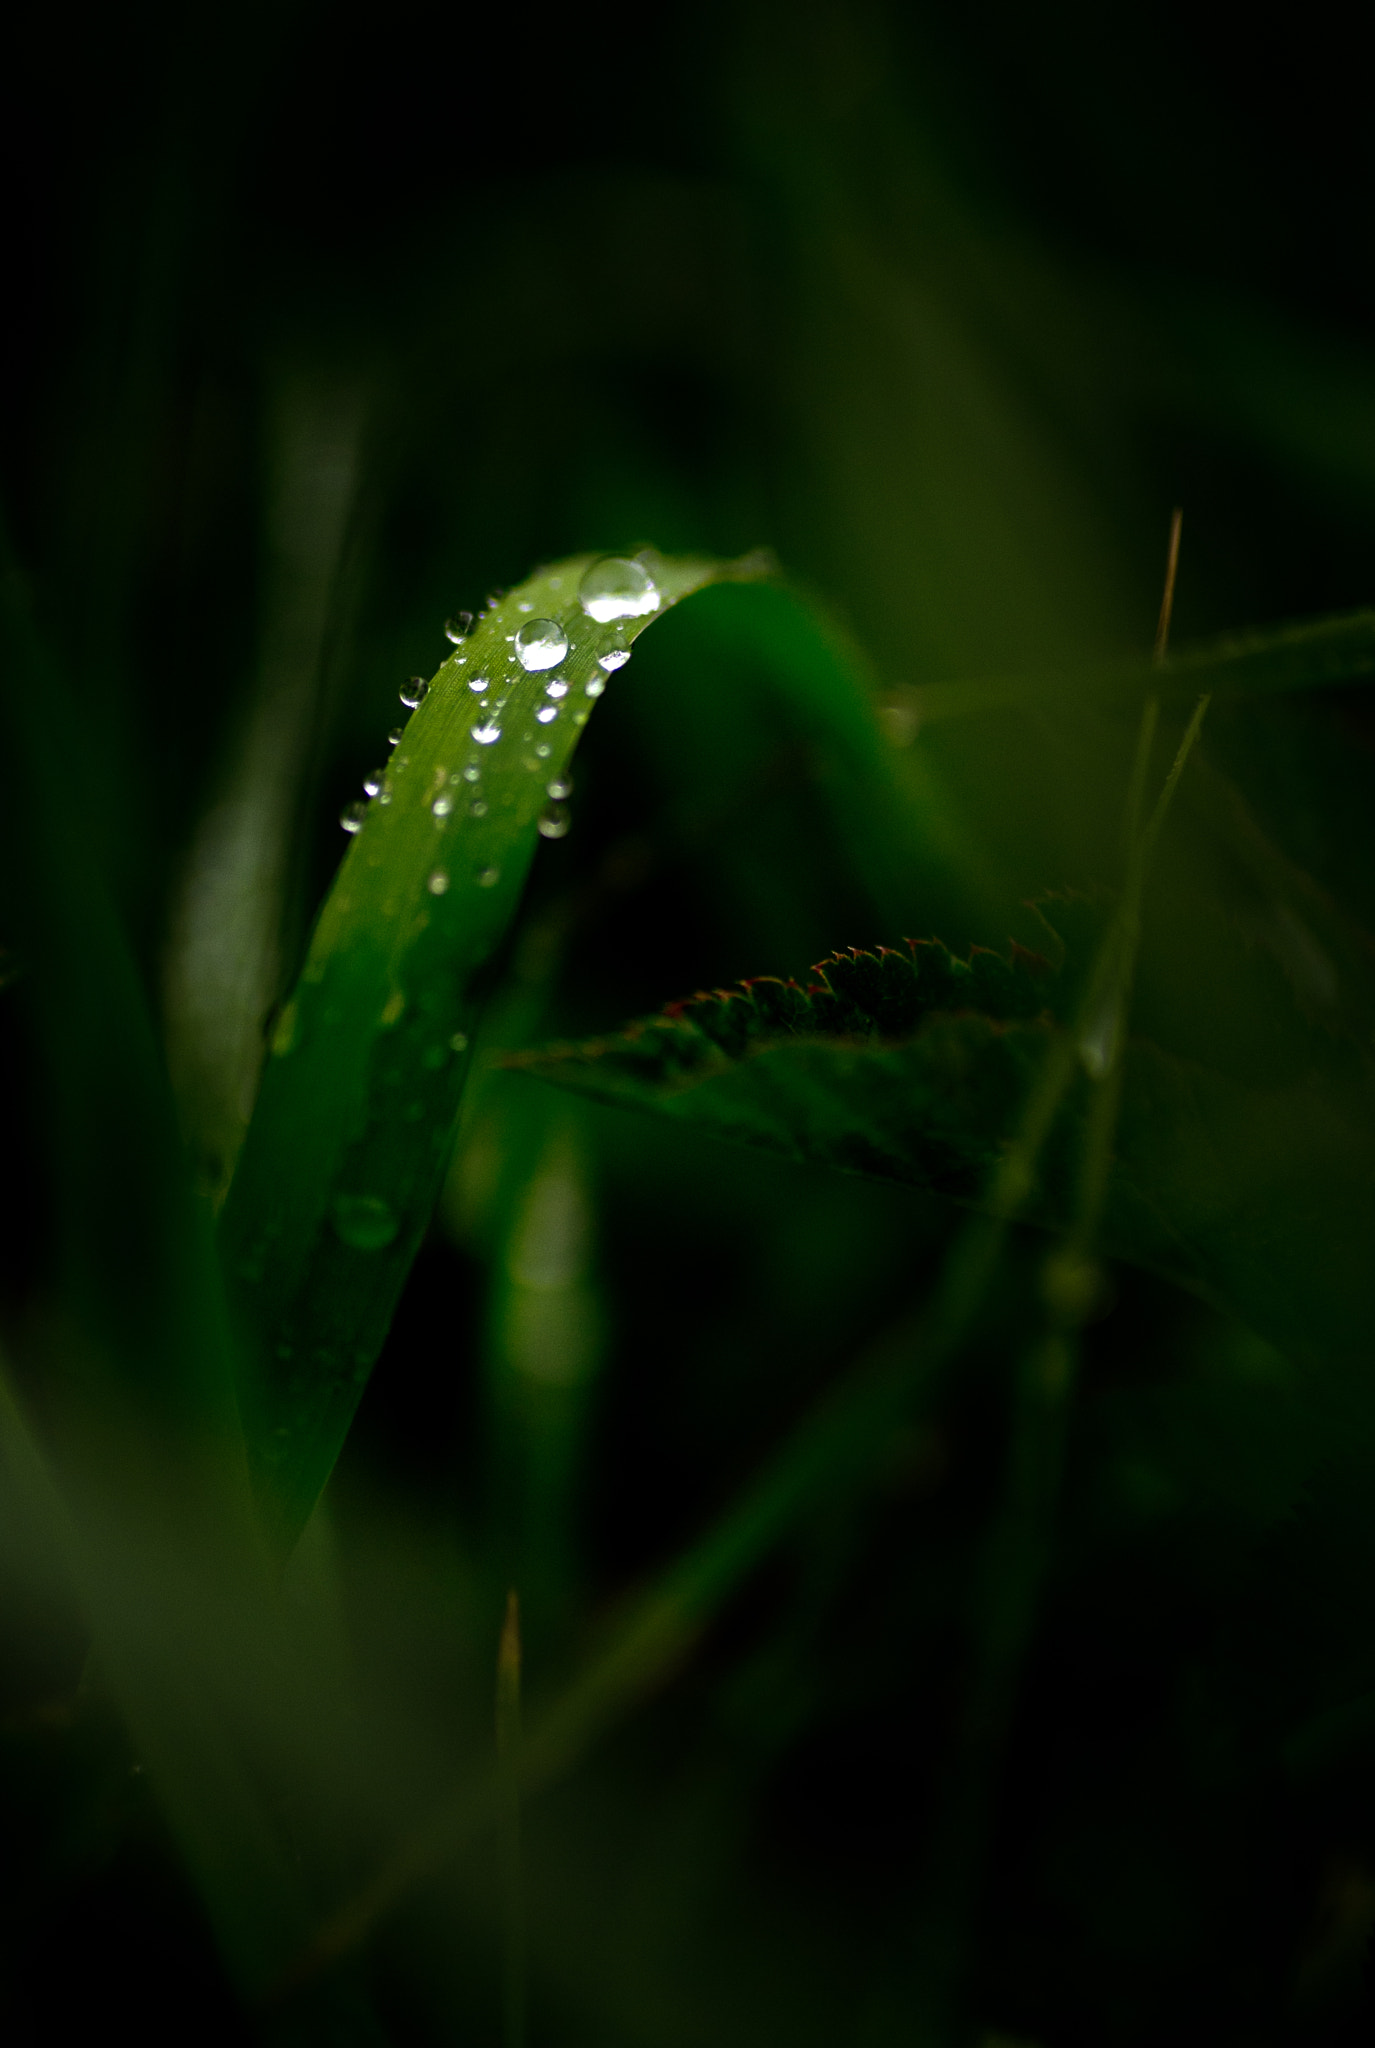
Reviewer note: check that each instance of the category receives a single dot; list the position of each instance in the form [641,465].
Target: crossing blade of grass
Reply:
[356,1116]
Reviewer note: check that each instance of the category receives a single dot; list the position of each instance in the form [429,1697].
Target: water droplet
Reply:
[438,882]
[524,607]
[365,1222]
[372,783]
[554,821]
[557,688]
[594,689]
[547,712]
[477,684]
[459,1041]
[442,806]
[615,588]
[415,691]
[477,808]
[396,735]
[488,734]
[487,878]
[352,815]
[541,643]
[560,787]
[472,773]
[614,658]
[458,627]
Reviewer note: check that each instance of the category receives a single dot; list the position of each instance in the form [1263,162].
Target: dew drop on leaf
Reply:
[616,588]
[477,808]
[415,691]
[558,687]
[595,687]
[487,878]
[477,684]
[442,806]
[542,751]
[560,787]
[372,782]
[459,1041]
[554,821]
[614,658]
[365,1222]
[547,712]
[541,643]
[438,882]
[396,735]
[472,773]
[489,733]
[352,816]
[458,627]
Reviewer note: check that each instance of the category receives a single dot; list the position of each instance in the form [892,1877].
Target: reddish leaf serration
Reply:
[884,995]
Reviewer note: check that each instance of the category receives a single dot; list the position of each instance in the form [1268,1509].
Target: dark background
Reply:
[949,306]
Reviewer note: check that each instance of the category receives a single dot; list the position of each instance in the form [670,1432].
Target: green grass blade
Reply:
[356,1116]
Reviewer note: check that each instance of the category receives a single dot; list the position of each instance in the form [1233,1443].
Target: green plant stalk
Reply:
[508,1747]
[356,1117]
[1021,1541]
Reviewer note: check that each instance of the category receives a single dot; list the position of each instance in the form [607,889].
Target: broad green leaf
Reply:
[355,1121]
[912,1064]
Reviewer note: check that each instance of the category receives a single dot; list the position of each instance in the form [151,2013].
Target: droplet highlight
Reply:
[614,658]
[353,815]
[489,733]
[414,691]
[438,883]
[617,588]
[554,821]
[541,643]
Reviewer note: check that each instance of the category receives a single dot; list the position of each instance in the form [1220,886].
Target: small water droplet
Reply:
[415,691]
[477,684]
[543,750]
[559,788]
[352,815]
[477,808]
[615,588]
[594,689]
[554,821]
[489,733]
[458,627]
[558,687]
[547,712]
[372,783]
[614,658]
[541,643]
[459,1041]
[396,735]
[442,806]
[487,878]
[524,607]
[365,1222]
[438,882]
[472,773]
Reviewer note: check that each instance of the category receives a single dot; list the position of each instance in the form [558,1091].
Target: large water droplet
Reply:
[372,783]
[489,733]
[541,643]
[615,588]
[559,788]
[352,815]
[365,1222]
[415,691]
[438,882]
[442,806]
[458,627]
[554,821]
[614,658]
[487,878]
[547,712]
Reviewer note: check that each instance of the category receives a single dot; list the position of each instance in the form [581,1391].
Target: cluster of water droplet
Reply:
[612,590]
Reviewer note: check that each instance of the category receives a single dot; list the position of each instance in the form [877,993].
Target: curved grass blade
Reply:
[355,1120]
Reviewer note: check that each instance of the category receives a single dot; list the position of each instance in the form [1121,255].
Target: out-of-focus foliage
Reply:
[863,1701]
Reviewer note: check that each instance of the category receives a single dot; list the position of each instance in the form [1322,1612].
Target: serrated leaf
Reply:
[913,1064]
[355,1121]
